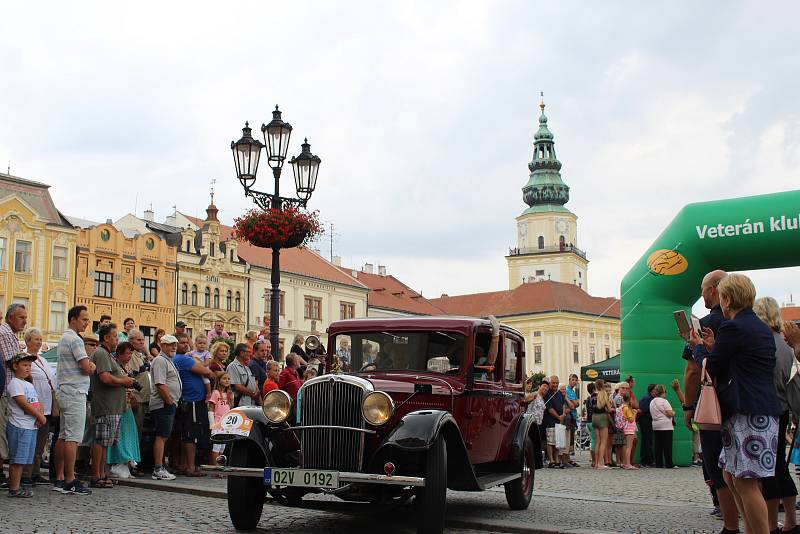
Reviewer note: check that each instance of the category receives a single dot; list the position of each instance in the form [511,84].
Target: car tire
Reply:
[245,494]
[520,490]
[432,499]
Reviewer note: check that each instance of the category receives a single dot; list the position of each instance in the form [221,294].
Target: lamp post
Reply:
[305,166]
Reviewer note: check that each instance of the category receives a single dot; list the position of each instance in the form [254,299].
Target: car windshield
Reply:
[431,351]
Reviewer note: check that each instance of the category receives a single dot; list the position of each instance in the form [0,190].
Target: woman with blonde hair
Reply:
[219,357]
[780,487]
[742,360]
[44,382]
[600,422]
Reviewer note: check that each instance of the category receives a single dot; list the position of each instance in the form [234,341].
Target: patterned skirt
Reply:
[749,445]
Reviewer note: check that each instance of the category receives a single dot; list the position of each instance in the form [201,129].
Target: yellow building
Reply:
[565,328]
[126,274]
[37,254]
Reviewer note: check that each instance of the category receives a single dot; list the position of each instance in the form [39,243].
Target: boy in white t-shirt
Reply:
[25,418]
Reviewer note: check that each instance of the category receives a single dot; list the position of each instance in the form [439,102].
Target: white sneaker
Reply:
[162,474]
[120,471]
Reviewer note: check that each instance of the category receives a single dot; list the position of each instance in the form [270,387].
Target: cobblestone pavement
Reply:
[571,500]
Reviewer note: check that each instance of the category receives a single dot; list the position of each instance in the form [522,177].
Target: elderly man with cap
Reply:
[164,394]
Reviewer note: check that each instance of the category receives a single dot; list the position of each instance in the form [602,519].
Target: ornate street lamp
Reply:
[305,166]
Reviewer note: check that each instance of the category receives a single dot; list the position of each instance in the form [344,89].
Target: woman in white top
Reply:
[662,413]
[44,381]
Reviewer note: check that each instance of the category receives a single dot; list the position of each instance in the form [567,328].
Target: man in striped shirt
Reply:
[16,319]
[74,370]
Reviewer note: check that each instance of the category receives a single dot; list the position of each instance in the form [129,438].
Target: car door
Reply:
[485,407]
[513,392]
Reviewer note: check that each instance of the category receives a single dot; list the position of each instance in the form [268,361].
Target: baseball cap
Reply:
[168,339]
[21,357]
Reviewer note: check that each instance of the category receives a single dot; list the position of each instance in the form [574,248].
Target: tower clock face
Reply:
[562,225]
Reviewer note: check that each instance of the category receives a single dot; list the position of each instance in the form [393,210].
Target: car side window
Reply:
[482,370]
[513,369]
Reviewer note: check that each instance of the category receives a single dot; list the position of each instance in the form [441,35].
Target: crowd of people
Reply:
[109,383]
[746,352]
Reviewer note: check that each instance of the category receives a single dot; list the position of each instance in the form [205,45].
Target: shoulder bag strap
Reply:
[47,376]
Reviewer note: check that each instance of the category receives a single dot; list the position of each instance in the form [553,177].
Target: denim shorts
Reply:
[21,444]
[163,418]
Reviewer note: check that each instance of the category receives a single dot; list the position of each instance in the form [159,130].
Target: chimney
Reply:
[368,268]
[337,261]
[109,221]
[382,270]
[171,220]
[354,273]
[149,215]
[444,295]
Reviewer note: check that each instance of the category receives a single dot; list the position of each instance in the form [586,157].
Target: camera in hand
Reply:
[136,384]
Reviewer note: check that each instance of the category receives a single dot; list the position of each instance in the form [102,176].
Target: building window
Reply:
[59,266]
[268,302]
[541,242]
[537,333]
[591,354]
[561,242]
[575,357]
[574,333]
[194,295]
[22,257]
[591,335]
[207,298]
[606,336]
[608,352]
[103,284]
[185,294]
[539,272]
[188,245]
[3,248]
[229,300]
[148,291]
[347,310]
[537,354]
[216,297]
[57,314]
[238,301]
[313,308]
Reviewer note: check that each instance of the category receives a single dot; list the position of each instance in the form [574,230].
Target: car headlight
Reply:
[276,406]
[377,408]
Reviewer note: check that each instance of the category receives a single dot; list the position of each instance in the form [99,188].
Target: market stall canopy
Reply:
[608,370]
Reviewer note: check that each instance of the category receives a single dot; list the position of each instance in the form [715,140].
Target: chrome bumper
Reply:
[359,478]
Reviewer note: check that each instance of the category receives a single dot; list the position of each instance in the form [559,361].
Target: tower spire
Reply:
[545,190]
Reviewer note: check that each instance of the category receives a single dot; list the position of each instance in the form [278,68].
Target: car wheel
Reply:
[245,494]
[520,490]
[432,499]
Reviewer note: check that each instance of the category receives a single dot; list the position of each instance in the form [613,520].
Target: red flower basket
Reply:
[287,228]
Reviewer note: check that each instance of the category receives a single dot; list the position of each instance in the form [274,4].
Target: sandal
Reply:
[100,483]
[574,464]
[552,465]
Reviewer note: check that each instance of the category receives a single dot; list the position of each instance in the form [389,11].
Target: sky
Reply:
[423,114]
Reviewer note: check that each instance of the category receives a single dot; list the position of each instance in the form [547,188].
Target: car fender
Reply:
[417,431]
[260,433]
[526,427]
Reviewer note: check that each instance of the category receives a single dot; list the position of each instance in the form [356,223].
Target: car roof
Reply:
[421,322]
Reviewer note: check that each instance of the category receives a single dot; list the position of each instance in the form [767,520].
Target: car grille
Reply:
[332,402]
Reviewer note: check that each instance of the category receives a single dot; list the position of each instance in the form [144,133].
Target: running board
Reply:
[495,479]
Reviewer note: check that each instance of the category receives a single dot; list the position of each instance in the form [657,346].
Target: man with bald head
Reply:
[710,440]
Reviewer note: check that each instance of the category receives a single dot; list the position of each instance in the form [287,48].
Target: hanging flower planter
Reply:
[287,228]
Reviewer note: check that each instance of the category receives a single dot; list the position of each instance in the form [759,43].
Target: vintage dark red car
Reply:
[413,408]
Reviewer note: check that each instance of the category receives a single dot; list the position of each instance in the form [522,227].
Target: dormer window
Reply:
[211,248]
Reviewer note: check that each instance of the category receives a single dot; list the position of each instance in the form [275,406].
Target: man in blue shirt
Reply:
[572,423]
[553,414]
[191,420]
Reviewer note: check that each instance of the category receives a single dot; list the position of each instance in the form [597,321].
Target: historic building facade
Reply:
[211,278]
[565,328]
[37,255]
[125,273]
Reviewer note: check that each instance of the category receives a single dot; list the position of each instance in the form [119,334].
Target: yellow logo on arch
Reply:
[591,373]
[667,262]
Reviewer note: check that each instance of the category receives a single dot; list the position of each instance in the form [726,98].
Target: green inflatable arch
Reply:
[738,234]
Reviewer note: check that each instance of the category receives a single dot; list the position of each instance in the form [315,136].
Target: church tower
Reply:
[547,232]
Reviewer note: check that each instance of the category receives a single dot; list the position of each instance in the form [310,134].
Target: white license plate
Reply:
[307,478]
